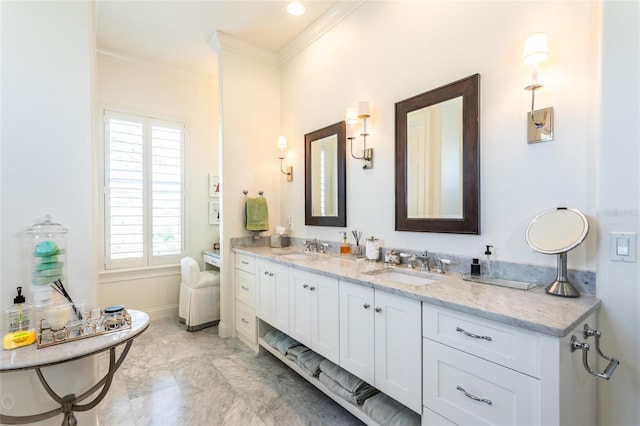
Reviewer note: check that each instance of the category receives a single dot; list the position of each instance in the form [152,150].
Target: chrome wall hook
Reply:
[577,345]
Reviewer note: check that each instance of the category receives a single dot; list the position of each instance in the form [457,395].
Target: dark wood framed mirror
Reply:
[438,159]
[325,176]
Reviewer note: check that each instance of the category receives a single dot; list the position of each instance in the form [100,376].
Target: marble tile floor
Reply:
[175,377]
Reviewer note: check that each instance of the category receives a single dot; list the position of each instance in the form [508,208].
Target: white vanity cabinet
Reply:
[245,297]
[481,372]
[380,341]
[314,312]
[273,294]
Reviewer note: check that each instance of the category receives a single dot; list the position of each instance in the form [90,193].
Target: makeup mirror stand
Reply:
[561,286]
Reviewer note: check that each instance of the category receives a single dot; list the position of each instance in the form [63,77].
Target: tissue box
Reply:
[279,241]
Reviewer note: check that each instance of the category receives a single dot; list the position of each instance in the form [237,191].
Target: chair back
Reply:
[190,271]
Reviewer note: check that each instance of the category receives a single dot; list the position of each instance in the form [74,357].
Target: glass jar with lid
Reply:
[48,242]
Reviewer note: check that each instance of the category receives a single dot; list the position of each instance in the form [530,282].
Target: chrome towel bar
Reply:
[576,344]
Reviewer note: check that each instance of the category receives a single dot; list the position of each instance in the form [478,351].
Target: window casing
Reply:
[144,191]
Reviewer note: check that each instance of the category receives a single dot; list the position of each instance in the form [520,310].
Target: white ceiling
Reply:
[177,32]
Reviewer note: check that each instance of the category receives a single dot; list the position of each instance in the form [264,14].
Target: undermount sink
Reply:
[403,277]
[301,255]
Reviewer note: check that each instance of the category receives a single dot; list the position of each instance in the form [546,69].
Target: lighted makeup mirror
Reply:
[557,231]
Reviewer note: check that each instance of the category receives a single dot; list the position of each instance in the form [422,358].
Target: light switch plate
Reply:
[623,246]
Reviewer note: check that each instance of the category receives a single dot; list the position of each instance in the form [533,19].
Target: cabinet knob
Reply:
[312,288]
[270,274]
[378,309]
[366,306]
[305,286]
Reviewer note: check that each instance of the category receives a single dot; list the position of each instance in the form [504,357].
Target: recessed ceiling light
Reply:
[296,8]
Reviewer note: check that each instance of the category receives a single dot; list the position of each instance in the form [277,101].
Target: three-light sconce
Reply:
[282,145]
[539,122]
[353,115]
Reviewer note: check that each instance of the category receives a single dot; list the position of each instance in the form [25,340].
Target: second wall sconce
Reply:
[353,115]
[282,144]
[539,122]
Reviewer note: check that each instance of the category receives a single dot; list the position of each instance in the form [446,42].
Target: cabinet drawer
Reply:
[246,288]
[246,263]
[246,322]
[494,395]
[512,347]
[429,418]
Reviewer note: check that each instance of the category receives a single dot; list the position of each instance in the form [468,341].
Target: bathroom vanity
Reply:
[453,351]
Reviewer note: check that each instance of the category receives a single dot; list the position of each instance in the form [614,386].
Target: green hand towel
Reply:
[257,214]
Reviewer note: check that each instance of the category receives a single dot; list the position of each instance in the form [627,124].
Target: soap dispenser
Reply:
[486,266]
[345,248]
[18,324]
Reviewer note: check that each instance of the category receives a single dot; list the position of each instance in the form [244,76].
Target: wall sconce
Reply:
[539,122]
[352,118]
[282,144]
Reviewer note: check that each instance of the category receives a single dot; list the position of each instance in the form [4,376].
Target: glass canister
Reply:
[48,259]
[372,249]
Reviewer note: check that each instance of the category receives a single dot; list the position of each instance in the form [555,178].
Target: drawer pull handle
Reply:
[305,286]
[245,288]
[244,262]
[245,321]
[471,396]
[366,306]
[475,336]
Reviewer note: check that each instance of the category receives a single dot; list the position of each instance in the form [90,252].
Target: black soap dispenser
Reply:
[487,267]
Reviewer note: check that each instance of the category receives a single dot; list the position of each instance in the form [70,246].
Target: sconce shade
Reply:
[352,115]
[536,49]
[282,142]
[363,110]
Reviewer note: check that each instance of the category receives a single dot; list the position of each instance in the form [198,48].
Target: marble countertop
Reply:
[533,309]
[30,356]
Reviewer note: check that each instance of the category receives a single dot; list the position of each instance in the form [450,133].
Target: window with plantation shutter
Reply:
[144,202]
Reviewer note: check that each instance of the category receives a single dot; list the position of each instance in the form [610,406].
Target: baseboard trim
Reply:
[225,329]
[170,311]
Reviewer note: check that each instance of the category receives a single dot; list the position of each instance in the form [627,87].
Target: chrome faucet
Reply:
[311,245]
[424,262]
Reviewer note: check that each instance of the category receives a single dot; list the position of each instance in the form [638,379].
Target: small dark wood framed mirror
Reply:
[438,159]
[325,176]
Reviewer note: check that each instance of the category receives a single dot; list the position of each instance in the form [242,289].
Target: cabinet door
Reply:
[280,298]
[299,311]
[356,330]
[325,321]
[265,280]
[273,294]
[398,348]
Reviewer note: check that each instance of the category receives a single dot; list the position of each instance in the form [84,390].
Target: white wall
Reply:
[618,210]
[249,87]
[136,86]
[47,159]
[386,52]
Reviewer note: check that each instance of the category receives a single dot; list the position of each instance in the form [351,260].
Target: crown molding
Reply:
[332,17]
[127,59]
[221,41]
